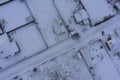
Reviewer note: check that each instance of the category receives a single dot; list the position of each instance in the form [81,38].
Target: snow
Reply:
[3,1]
[57,28]
[32,62]
[44,43]
[117,30]
[66,8]
[78,17]
[116,47]
[7,48]
[0,31]
[65,66]
[81,16]
[10,48]
[103,67]
[111,43]
[15,15]
[98,10]
[3,39]
[117,5]
[84,14]
[29,40]
[107,71]
[45,14]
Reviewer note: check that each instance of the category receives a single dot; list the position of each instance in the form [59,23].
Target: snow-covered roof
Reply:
[7,48]
[97,10]
[80,16]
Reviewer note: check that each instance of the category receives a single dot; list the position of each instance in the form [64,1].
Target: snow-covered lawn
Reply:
[15,14]
[98,10]
[67,66]
[45,14]
[97,57]
[30,40]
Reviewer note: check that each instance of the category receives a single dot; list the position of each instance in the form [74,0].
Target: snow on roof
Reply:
[111,43]
[97,9]
[116,47]
[7,48]
[84,14]
[58,27]
[80,15]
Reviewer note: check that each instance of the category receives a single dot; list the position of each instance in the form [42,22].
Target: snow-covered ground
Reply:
[36,42]
[98,10]
[29,41]
[45,14]
[67,66]
[102,66]
[3,1]
[15,14]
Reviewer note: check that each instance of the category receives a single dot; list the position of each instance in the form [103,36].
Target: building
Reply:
[110,42]
[98,13]
[7,48]
[81,17]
